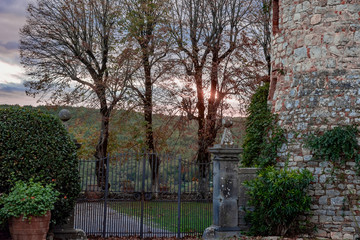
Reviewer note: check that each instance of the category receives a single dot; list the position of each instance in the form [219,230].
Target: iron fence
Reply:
[144,194]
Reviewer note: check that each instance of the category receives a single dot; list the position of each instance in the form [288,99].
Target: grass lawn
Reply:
[195,216]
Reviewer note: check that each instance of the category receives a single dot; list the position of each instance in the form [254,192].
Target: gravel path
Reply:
[89,217]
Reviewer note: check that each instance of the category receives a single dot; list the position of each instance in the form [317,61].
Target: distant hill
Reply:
[172,134]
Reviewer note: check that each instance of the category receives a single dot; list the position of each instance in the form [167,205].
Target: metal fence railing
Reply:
[144,194]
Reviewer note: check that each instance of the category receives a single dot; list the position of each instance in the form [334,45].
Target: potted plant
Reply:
[27,207]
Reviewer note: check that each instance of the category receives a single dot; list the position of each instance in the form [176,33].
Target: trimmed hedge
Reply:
[36,145]
[279,197]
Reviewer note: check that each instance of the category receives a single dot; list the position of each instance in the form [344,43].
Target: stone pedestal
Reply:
[225,193]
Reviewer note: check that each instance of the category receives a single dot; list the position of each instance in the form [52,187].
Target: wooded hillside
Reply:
[172,134]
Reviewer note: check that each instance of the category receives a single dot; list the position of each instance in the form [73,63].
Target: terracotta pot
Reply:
[34,229]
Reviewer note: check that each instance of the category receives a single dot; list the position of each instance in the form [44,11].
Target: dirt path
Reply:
[89,217]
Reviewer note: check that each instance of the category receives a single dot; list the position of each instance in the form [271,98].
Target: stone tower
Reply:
[315,85]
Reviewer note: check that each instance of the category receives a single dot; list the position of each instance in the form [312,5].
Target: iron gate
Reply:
[144,194]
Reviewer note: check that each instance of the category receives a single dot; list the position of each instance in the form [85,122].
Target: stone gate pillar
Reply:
[225,191]
[67,231]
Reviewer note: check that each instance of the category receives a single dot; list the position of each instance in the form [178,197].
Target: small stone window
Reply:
[275,20]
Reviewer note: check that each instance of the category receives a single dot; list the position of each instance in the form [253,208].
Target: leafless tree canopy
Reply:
[219,58]
[68,47]
[112,52]
[71,50]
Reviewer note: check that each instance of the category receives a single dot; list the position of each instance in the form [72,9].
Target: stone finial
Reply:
[64,115]
[227,139]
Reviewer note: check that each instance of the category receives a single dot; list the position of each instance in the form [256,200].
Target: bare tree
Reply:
[70,49]
[217,56]
[145,26]
[261,28]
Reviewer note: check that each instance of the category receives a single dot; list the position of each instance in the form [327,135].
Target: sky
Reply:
[12,74]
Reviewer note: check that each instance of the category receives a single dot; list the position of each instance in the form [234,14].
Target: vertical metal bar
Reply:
[179,199]
[106,194]
[86,173]
[142,198]
[81,170]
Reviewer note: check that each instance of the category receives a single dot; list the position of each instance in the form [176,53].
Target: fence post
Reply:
[106,195]
[179,199]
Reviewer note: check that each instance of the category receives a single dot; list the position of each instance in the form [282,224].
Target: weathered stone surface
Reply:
[318,50]
[245,174]
[225,193]
[213,233]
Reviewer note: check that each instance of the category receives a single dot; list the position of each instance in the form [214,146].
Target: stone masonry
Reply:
[315,85]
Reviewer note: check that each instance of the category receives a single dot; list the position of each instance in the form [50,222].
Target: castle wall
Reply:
[315,85]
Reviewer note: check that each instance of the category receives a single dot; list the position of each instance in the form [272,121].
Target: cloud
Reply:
[14,93]
[16,96]
[11,73]
[12,18]
[10,45]
[10,25]
[16,7]
[12,87]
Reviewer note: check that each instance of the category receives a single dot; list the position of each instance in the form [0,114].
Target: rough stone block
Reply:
[337,201]
[323,200]
[349,229]
[348,236]
[300,54]
[315,19]
[336,235]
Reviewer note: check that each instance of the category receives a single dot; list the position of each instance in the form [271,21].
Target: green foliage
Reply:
[35,145]
[338,145]
[28,199]
[273,142]
[258,121]
[263,137]
[278,197]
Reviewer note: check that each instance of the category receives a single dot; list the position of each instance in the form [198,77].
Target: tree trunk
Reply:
[209,130]
[153,159]
[203,156]
[213,102]
[101,147]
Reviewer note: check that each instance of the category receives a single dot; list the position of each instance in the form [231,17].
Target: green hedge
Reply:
[279,197]
[36,145]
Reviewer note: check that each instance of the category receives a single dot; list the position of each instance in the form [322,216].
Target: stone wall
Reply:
[316,86]
[245,174]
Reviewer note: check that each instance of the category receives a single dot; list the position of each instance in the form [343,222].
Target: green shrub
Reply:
[35,145]
[278,198]
[257,123]
[263,137]
[338,145]
[28,199]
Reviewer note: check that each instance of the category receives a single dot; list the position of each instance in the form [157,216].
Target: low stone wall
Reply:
[245,174]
